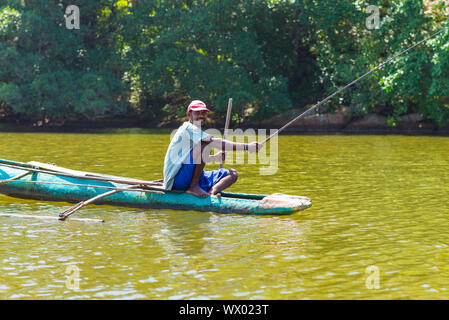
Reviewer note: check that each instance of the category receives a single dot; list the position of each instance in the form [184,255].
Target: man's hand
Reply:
[253,147]
[218,157]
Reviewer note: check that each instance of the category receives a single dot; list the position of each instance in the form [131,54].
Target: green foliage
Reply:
[213,50]
[416,81]
[148,59]
[47,70]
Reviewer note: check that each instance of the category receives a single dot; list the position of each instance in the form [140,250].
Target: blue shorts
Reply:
[207,179]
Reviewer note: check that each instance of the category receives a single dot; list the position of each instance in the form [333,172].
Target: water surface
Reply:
[377,201]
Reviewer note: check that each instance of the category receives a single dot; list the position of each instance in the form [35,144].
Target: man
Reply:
[188,152]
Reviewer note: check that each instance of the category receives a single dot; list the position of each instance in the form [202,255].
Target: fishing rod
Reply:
[350,84]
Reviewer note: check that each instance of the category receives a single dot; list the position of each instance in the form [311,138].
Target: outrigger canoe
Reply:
[39,181]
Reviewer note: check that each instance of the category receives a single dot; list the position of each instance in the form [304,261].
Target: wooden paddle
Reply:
[225,133]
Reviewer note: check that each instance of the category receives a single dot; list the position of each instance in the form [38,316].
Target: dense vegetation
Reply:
[145,59]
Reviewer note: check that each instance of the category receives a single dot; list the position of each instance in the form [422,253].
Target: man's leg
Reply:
[225,182]
[194,187]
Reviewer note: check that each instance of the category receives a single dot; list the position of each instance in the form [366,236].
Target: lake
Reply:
[377,228]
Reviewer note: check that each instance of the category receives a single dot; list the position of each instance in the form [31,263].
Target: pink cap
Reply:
[197,105]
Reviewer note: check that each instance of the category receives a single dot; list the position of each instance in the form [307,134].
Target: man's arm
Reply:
[225,145]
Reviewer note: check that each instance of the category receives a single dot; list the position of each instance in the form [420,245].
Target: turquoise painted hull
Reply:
[54,187]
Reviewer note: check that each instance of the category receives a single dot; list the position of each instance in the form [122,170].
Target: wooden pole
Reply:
[65,214]
[225,133]
[145,190]
[15,178]
[152,184]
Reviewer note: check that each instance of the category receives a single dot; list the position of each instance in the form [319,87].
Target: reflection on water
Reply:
[377,200]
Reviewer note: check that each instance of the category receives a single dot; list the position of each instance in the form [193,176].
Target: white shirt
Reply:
[185,138]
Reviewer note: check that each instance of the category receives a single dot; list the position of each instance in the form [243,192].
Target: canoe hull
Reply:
[54,187]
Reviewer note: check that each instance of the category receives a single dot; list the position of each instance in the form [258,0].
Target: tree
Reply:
[47,70]
[148,59]
[213,50]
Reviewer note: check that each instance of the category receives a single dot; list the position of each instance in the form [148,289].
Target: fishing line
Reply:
[351,83]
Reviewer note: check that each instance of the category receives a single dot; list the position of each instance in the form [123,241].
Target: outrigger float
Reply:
[39,181]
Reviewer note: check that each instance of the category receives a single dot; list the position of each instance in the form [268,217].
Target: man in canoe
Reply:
[189,151]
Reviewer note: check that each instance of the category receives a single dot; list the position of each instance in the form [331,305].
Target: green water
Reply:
[377,201]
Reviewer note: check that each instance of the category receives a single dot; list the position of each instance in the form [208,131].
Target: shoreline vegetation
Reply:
[340,122]
[134,63]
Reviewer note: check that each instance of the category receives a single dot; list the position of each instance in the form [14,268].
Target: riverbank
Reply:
[340,122]
[344,122]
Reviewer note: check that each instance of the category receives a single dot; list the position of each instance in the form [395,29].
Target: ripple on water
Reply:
[377,201]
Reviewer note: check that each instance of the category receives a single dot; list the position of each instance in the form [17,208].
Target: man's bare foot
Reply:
[213,192]
[197,191]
